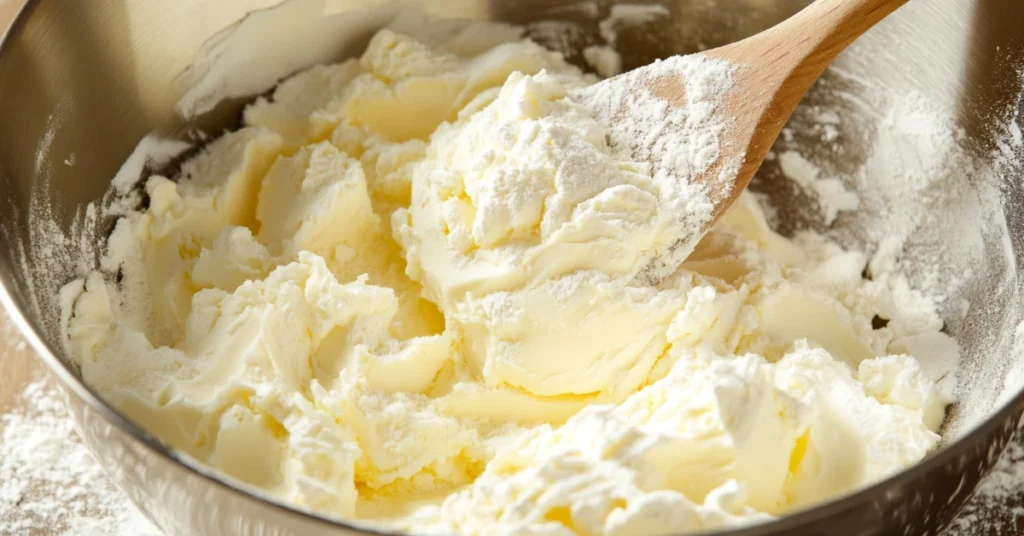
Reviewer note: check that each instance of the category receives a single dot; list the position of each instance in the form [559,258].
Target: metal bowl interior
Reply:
[82,82]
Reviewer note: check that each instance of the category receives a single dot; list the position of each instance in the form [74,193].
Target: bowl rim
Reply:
[799,518]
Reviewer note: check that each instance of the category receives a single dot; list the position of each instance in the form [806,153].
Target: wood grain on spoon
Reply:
[774,69]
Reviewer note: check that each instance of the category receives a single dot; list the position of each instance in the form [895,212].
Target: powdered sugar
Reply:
[680,139]
[49,483]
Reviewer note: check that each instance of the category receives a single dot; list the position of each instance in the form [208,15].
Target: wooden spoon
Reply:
[774,69]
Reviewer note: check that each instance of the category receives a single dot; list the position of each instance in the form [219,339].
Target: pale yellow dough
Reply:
[404,294]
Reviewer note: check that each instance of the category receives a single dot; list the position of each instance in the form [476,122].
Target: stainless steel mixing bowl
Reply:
[82,82]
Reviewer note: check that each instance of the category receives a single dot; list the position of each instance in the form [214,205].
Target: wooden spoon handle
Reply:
[787,59]
[811,39]
[793,54]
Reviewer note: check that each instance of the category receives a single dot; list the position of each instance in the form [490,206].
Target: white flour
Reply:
[681,140]
[49,482]
[998,503]
[50,485]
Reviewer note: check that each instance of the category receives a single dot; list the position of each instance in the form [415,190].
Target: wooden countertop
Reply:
[18,365]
